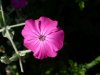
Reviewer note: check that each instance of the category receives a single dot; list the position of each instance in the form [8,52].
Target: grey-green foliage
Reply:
[73,69]
[76,69]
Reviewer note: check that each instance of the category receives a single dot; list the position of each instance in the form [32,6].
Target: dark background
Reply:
[82,35]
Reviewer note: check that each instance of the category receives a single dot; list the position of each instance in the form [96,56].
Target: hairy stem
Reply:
[8,34]
[17,25]
[20,63]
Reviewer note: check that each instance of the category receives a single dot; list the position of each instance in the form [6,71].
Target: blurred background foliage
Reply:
[80,20]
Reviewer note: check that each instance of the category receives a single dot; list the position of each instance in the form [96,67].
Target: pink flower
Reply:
[18,4]
[43,37]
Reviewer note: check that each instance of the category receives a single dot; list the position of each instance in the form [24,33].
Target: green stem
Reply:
[17,25]
[14,57]
[8,33]
[2,13]
[20,63]
[93,63]
[1,30]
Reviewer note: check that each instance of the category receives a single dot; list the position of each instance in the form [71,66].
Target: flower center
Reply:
[42,37]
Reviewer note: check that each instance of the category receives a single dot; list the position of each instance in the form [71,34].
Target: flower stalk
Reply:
[17,25]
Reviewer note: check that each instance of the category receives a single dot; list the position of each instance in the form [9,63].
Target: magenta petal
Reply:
[30,29]
[56,39]
[40,52]
[31,44]
[46,24]
[50,50]
[44,50]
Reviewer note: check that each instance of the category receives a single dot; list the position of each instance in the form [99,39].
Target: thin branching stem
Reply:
[12,26]
[8,34]
[15,48]
[1,30]
[17,25]
[2,13]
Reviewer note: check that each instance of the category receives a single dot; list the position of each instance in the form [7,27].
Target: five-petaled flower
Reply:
[18,4]
[43,37]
